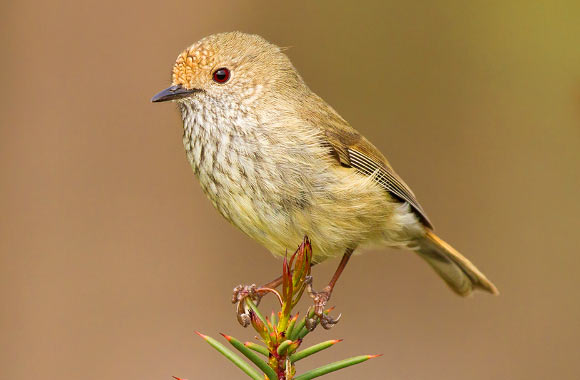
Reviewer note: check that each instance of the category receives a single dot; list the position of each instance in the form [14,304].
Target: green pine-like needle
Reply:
[254,358]
[230,355]
[258,348]
[312,350]
[334,367]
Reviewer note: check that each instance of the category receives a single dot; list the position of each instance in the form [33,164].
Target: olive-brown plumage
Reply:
[279,163]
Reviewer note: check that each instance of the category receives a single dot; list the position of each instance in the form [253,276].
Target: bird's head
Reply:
[234,66]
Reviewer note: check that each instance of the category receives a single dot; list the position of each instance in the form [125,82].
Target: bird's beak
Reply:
[172,93]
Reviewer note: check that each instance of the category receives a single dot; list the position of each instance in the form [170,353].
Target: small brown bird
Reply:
[279,163]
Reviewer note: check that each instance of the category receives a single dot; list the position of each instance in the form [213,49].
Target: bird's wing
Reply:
[351,149]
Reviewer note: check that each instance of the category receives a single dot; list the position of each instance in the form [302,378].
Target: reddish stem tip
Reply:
[200,334]
[374,356]
[177,378]
[335,341]
[228,338]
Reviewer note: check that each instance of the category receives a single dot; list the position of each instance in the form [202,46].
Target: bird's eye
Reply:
[221,75]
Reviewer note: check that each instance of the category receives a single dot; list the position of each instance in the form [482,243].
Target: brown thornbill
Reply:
[279,163]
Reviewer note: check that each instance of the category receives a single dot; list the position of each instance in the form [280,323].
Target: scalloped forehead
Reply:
[205,54]
[193,60]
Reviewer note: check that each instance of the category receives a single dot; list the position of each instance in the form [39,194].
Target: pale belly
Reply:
[340,209]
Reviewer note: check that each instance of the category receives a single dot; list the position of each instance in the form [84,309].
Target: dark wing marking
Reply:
[387,179]
[350,149]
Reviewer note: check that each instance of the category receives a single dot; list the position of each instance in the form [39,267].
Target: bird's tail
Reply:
[458,272]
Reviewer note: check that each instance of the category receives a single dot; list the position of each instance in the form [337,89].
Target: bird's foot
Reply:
[241,292]
[253,293]
[320,300]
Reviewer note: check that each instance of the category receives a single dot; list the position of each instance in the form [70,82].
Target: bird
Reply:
[280,163]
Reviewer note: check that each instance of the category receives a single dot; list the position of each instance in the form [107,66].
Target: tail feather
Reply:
[458,272]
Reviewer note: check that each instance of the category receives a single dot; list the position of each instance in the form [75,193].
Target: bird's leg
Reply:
[242,291]
[274,283]
[322,297]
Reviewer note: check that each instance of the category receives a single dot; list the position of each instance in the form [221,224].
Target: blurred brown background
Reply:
[111,256]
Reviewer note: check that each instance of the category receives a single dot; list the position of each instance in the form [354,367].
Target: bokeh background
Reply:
[111,256]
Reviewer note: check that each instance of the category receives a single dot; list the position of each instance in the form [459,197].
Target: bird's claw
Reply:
[320,300]
[241,292]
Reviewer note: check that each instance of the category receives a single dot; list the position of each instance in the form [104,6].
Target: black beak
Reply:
[172,93]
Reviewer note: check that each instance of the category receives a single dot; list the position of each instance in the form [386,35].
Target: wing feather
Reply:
[388,179]
[350,149]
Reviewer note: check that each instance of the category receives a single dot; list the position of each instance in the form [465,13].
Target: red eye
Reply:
[221,75]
